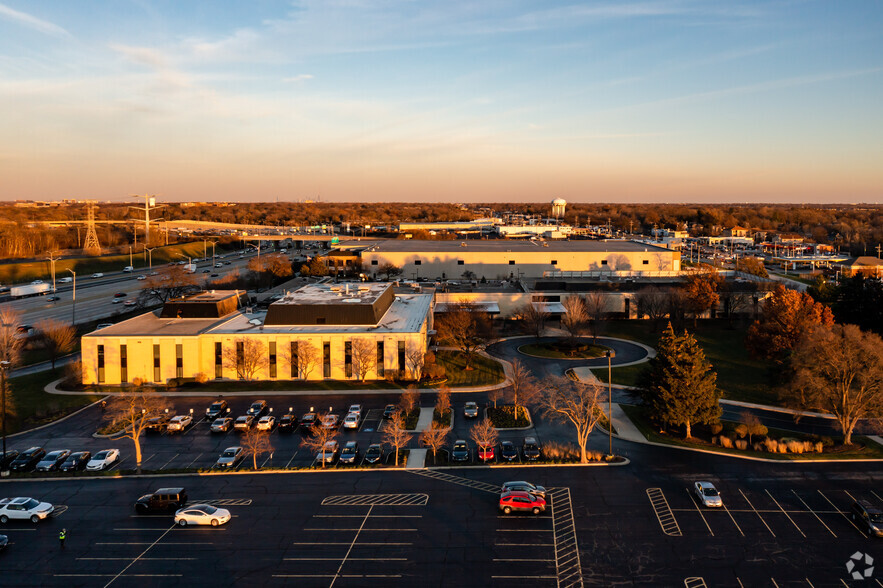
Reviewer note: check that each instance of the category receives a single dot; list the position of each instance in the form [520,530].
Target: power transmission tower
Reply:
[149,204]
[91,245]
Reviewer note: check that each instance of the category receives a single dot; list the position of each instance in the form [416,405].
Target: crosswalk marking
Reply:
[664,515]
[377,500]
[567,562]
[483,486]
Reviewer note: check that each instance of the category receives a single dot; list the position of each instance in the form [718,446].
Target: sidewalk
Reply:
[424,421]
[416,459]
[624,427]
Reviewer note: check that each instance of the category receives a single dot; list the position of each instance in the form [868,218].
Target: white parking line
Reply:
[335,576]
[810,583]
[170,461]
[878,498]
[773,580]
[147,543]
[524,544]
[266,460]
[372,516]
[190,465]
[524,530]
[340,559]
[814,514]
[524,577]
[140,556]
[693,501]
[142,559]
[842,514]
[524,559]
[350,550]
[733,519]
[757,513]
[117,576]
[347,543]
[291,460]
[144,461]
[360,529]
[785,513]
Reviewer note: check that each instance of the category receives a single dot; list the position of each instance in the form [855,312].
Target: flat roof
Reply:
[150,324]
[357,293]
[503,245]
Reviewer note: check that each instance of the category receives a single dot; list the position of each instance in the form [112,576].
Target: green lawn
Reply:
[36,407]
[484,372]
[624,376]
[545,350]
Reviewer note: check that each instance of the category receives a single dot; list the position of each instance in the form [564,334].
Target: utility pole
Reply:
[878,251]
[90,245]
[131,263]
[52,259]
[149,252]
[74,307]
[149,204]
[4,366]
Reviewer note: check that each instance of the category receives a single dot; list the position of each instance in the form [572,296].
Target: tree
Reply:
[409,399]
[575,316]
[484,434]
[435,437]
[787,316]
[679,385]
[389,270]
[10,350]
[494,395]
[700,293]
[443,401]
[579,404]
[652,302]
[751,426]
[431,368]
[523,388]
[316,268]
[363,353]
[532,319]
[306,360]
[133,409]
[465,327]
[58,338]
[838,370]
[415,359]
[318,436]
[247,356]
[256,443]
[170,282]
[596,309]
[752,265]
[394,434]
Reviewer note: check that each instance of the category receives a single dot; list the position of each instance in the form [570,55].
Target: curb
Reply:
[530,426]
[64,418]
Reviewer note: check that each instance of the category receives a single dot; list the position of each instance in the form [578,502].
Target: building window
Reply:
[348,359]
[380,359]
[402,357]
[511,262]
[603,262]
[460,262]
[418,262]
[320,320]
[646,262]
[219,361]
[156,373]
[240,359]
[554,262]
[124,363]
[373,262]
[101,364]
[295,361]
[272,359]
[326,359]
[179,361]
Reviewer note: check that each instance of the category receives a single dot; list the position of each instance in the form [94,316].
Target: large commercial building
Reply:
[321,331]
[504,259]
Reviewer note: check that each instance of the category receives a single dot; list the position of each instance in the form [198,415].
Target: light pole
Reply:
[131,264]
[610,354]
[4,365]
[74,311]
[149,251]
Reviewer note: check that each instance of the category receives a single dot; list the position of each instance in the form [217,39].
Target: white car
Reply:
[351,421]
[329,452]
[708,494]
[97,275]
[141,277]
[65,280]
[202,514]
[103,460]
[179,423]
[330,421]
[266,423]
[24,508]
[356,409]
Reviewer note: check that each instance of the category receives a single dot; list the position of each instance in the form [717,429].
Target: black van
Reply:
[163,500]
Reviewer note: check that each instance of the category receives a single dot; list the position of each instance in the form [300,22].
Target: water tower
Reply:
[558,207]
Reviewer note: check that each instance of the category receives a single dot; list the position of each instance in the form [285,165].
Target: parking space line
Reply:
[663,512]
[810,583]
[880,499]
[117,464]
[524,559]
[117,576]
[526,530]
[372,516]
[419,499]
[524,577]
[350,559]
[190,465]
[524,544]
[879,583]
[337,576]
[773,580]
[785,513]
[733,519]
[814,514]
[143,553]
[170,461]
[142,559]
[266,460]
[361,529]
[291,460]
[849,520]
[757,513]
[147,543]
[144,461]
[350,550]
[483,486]
[694,582]
[693,502]
[347,543]
[567,563]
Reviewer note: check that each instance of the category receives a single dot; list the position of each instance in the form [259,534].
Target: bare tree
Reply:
[395,434]
[247,356]
[532,318]
[133,409]
[484,434]
[58,338]
[596,310]
[494,395]
[364,356]
[409,399]
[575,316]
[256,443]
[389,270]
[10,342]
[170,282]
[577,403]
[318,436]
[653,302]
[435,437]
[306,360]
[466,327]
[443,401]
[415,359]
[751,426]
[523,388]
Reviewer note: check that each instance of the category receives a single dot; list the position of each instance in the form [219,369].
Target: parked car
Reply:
[163,500]
[522,486]
[508,451]
[76,462]
[103,460]
[202,514]
[218,408]
[470,410]
[158,424]
[390,410]
[530,450]
[350,452]
[329,452]
[355,409]
[460,451]
[351,421]
[374,453]
[308,419]
[179,423]
[23,508]
[257,408]
[222,424]
[708,494]
[517,501]
[27,459]
[330,421]
[52,460]
[244,423]
[266,423]
[7,458]
[287,423]
[230,458]
[866,514]
[486,452]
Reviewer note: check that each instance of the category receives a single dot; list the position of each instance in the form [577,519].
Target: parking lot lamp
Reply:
[4,365]
[74,307]
[610,354]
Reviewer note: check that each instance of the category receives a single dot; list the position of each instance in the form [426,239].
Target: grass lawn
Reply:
[545,350]
[484,372]
[871,450]
[34,406]
[625,376]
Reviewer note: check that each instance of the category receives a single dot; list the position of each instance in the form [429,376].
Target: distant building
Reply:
[864,265]
[736,232]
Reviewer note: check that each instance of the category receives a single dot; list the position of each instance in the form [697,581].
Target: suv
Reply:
[163,500]
[217,409]
[158,424]
[470,410]
[460,452]
[530,449]
[257,409]
[27,459]
[350,452]
[866,513]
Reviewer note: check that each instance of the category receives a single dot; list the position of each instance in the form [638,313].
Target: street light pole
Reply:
[74,312]
[4,365]
[610,354]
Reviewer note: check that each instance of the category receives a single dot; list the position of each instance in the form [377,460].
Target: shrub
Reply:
[808,446]
[757,446]
[726,442]
[741,430]
[716,428]
[742,444]
[771,445]
[783,448]
[819,446]
[200,378]
[508,416]
[795,446]
[556,451]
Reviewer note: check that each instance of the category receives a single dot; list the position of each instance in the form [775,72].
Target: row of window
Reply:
[511,262]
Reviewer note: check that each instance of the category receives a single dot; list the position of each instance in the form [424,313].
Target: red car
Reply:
[521,501]
[486,453]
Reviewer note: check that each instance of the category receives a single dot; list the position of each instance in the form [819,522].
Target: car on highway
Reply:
[120,295]
[257,408]
[103,460]
[27,459]
[328,452]
[130,302]
[266,423]
[116,301]
[486,452]
[330,421]
[75,462]
[53,298]
[222,424]
[351,421]
[52,460]
[374,453]
[308,419]
[530,449]
[158,423]
[244,423]
[287,423]
[355,409]
[523,486]
[179,423]
[215,410]
[97,275]
[390,410]
[230,458]
[66,280]
[7,458]
[24,508]
[708,494]
[470,410]
[866,514]
[517,501]
[202,514]
[163,500]
[460,451]
[508,451]
[350,452]
[141,277]
[219,264]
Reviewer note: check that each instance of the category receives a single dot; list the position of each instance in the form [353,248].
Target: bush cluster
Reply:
[508,416]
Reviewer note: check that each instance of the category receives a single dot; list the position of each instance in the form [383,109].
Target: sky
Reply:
[477,101]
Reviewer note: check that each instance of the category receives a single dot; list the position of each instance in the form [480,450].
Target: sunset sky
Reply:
[484,100]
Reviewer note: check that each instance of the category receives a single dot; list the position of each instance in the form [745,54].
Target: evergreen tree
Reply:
[679,386]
